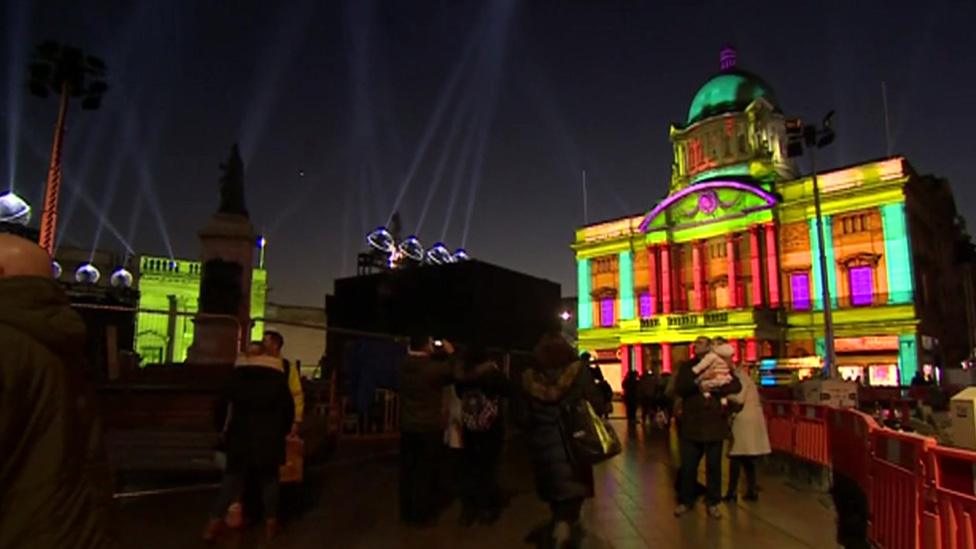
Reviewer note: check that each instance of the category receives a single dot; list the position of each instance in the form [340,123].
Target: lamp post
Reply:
[812,138]
[69,73]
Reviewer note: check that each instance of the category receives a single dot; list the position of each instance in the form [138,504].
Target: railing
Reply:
[914,493]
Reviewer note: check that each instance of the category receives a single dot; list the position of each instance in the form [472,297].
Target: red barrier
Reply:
[810,434]
[898,476]
[849,435]
[953,477]
[779,424]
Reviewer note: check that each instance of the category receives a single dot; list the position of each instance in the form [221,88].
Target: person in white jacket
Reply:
[749,437]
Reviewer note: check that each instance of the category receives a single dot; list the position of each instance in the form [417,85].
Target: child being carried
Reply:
[714,369]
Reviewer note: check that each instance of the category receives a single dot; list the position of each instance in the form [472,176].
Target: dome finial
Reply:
[727,57]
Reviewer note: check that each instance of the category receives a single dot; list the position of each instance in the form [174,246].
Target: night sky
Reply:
[506,102]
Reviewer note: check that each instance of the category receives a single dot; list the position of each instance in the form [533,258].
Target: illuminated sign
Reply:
[798,363]
[871,343]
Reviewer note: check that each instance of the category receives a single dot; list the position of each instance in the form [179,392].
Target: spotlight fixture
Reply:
[412,248]
[56,270]
[438,254]
[461,255]
[381,240]
[121,278]
[13,209]
[87,274]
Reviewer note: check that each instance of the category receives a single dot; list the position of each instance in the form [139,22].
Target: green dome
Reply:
[729,91]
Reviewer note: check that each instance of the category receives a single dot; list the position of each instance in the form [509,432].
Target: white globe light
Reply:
[87,274]
[13,209]
[121,278]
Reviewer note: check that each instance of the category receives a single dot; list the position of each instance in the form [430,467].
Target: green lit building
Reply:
[168,291]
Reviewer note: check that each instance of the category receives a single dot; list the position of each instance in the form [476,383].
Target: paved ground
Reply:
[356,508]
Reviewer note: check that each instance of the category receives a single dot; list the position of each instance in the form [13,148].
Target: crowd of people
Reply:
[454,410]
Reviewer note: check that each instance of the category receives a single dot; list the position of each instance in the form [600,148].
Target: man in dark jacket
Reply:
[426,371]
[55,485]
[702,430]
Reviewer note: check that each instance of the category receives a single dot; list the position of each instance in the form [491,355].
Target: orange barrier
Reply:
[779,423]
[849,437]
[898,477]
[918,495]
[953,478]
[810,440]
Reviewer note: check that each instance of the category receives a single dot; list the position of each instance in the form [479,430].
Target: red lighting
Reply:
[755,266]
[771,270]
[665,358]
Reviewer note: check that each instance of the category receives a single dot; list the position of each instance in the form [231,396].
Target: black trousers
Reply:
[479,470]
[691,455]
[736,465]
[419,465]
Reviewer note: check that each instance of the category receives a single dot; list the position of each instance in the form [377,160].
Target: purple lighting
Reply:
[727,58]
[646,306]
[862,285]
[707,202]
[709,185]
[606,312]
[800,289]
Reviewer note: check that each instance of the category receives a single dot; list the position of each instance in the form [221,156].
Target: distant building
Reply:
[732,251]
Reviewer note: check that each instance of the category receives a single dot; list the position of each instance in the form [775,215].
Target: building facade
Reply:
[732,251]
[168,294]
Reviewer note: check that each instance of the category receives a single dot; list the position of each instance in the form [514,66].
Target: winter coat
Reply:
[749,436]
[55,483]
[261,412]
[422,382]
[558,478]
[702,419]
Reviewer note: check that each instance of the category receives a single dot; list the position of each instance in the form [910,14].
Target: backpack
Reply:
[478,412]
[588,438]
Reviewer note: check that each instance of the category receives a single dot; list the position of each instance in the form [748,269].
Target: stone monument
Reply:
[223,322]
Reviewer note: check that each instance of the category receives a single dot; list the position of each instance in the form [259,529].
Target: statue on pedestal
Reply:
[232,185]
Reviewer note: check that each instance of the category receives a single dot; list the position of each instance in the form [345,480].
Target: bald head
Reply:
[21,257]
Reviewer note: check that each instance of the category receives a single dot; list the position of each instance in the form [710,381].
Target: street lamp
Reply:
[67,72]
[812,137]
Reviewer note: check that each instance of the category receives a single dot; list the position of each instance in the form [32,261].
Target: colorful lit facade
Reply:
[174,285]
[732,251]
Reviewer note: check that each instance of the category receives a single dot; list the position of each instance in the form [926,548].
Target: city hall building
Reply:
[732,251]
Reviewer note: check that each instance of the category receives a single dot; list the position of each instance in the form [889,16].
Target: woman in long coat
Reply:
[749,437]
[564,484]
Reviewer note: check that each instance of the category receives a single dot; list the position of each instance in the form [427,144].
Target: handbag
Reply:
[589,438]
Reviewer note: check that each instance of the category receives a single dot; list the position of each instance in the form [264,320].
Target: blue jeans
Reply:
[232,489]
[691,454]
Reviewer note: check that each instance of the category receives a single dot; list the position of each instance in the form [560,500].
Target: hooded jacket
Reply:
[55,484]
[558,478]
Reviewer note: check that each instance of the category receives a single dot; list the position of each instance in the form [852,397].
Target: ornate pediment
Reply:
[707,202]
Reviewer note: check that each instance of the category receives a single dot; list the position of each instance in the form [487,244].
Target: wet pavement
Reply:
[353,504]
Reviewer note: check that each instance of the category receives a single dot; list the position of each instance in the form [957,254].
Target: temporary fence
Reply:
[919,495]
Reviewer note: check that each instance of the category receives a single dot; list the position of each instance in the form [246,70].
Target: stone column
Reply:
[697,276]
[666,278]
[732,271]
[772,265]
[652,278]
[755,265]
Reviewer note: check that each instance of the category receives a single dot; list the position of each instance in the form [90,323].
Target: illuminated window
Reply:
[606,312]
[646,305]
[800,290]
[862,285]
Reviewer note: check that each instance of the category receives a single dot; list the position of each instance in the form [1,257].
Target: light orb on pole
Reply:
[14,209]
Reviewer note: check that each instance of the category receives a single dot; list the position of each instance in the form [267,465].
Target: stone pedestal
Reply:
[216,340]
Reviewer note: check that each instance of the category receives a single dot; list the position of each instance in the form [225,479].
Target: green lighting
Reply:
[815,262]
[626,285]
[727,92]
[907,358]
[584,313]
[898,253]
